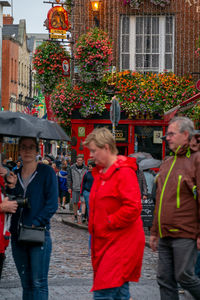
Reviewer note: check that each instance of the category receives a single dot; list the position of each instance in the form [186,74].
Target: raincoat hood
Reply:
[121,162]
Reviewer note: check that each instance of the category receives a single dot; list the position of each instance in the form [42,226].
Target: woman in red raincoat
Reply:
[6,206]
[114,222]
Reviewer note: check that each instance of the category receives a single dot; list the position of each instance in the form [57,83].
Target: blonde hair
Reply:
[45,161]
[101,137]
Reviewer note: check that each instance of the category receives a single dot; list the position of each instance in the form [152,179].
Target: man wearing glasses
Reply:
[176,227]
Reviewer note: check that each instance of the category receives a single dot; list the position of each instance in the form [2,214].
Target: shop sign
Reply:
[121,132]
[58,36]
[66,67]
[81,131]
[57,19]
[157,137]
[198,85]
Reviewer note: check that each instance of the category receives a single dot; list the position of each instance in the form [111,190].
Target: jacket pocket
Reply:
[178,203]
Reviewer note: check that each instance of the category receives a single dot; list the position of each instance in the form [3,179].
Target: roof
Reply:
[11,30]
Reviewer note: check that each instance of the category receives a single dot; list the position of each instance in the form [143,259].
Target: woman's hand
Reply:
[8,206]
[3,171]
[11,180]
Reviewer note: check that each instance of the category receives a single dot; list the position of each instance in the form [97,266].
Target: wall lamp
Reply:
[95,8]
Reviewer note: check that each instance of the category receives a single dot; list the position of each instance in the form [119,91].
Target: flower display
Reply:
[151,93]
[89,97]
[138,93]
[93,54]
[47,62]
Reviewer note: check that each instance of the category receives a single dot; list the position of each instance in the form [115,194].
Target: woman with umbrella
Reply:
[38,183]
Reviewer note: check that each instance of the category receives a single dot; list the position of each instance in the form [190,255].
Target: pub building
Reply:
[131,135]
[148,36]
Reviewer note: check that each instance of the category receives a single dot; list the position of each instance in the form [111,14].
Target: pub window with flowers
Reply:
[147,43]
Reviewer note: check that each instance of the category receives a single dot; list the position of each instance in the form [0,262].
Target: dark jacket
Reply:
[42,193]
[87,182]
[177,212]
[142,182]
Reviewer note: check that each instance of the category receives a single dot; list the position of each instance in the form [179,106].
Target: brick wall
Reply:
[9,71]
[187,30]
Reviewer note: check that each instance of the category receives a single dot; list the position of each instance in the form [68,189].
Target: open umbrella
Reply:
[141,155]
[149,163]
[16,124]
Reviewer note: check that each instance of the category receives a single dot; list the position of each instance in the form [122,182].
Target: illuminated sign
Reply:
[57,19]
[66,67]
[57,36]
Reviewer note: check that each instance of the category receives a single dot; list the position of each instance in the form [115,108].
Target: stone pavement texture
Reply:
[70,274]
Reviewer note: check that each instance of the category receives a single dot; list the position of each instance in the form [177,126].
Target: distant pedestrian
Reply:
[62,186]
[115,223]
[85,191]
[74,179]
[175,231]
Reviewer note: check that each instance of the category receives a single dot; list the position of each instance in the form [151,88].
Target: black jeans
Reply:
[177,258]
[2,258]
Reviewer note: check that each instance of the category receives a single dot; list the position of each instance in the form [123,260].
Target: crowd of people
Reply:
[108,193]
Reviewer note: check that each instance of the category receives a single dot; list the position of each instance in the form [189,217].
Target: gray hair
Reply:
[184,124]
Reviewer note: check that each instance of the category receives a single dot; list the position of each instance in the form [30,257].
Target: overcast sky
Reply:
[33,11]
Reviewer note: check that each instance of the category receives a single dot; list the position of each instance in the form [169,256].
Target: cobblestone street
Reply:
[70,275]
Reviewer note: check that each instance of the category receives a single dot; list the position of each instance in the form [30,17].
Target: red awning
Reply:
[189,102]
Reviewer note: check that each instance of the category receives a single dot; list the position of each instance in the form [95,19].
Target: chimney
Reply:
[7,20]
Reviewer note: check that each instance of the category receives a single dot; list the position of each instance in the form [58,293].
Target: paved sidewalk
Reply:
[68,219]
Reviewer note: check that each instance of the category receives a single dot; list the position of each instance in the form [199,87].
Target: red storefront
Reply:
[132,135]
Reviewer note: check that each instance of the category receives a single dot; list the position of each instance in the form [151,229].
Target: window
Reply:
[147,43]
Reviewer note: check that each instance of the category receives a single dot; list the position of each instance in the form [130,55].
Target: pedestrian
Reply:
[55,168]
[18,165]
[175,230]
[74,180]
[85,191]
[141,180]
[115,223]
[37,182]
[6,208]
[62,186]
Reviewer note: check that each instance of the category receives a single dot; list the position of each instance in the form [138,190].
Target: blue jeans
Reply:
[32,263]
[117,293]
[86,196]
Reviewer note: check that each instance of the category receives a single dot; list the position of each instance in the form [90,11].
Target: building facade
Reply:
[149,37]
[146,38]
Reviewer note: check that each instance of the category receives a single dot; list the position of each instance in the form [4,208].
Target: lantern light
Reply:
[95,5]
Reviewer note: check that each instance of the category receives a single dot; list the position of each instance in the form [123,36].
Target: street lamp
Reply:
[95,8]
[95,5]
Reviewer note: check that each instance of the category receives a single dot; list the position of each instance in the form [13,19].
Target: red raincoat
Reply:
[115,225]
[4,238]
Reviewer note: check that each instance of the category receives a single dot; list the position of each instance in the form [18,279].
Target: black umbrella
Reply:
[16,124]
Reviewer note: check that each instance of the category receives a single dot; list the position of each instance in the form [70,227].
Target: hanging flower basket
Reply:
[93,54]
[47,62]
